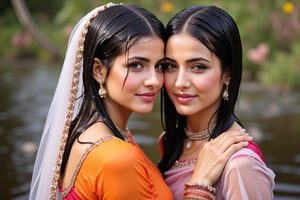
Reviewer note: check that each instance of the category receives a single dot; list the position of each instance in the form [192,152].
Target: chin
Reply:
[184,111]
[144,110]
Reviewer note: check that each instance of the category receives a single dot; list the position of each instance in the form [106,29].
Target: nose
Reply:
[182,78]
[154,79]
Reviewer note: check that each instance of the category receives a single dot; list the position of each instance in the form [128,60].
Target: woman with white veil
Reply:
[113,67]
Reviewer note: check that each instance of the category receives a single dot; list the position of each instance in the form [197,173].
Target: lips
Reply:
[147,96]
[184,98]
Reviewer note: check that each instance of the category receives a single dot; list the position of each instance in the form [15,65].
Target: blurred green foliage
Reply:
[270,31]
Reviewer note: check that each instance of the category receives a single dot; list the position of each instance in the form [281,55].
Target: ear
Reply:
[226,78]
[99,71]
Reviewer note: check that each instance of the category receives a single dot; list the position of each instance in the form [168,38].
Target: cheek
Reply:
[169,80]
[115,80]
[211,84]
[160,78]
[131,83]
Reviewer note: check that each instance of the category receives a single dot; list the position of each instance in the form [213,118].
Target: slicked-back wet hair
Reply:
[217,30]
[111,33]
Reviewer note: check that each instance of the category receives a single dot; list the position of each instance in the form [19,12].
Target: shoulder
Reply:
[244,170]
[111,157]
[243,158]
[245,164]
[114,151]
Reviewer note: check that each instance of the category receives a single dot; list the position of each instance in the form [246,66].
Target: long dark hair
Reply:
[217,30]
[111,33]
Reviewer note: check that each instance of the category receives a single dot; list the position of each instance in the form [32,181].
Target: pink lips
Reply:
[184,98]
[147,96]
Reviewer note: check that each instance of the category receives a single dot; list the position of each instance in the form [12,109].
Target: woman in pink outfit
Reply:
[203,72]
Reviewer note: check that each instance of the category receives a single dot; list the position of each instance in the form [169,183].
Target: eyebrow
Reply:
[197,59]
[139,58]
[190,60]
[144,59]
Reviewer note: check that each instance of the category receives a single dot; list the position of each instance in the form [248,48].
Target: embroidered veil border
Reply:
[64,107]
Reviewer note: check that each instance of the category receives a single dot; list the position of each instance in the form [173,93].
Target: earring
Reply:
[102,91]
[225,93]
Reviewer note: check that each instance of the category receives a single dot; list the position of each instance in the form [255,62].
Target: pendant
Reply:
[188,144]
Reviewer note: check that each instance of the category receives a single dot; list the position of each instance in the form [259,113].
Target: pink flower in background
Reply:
[21,39]
[258,54]
[16,39]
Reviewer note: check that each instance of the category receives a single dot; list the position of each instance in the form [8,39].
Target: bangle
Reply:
[196,191]
[198,195]
[202,186]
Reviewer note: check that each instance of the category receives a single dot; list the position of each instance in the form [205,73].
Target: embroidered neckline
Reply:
[67,190]
[184,163]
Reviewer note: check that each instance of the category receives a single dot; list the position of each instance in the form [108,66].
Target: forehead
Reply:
[185,44]
[150,49]
[147,44]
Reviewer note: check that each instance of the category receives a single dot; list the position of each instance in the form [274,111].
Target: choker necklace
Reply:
[125,134]
[197,135]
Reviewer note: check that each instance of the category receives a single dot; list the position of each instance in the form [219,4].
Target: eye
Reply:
[198,67]
[135,66]
[170,67]
[159,67]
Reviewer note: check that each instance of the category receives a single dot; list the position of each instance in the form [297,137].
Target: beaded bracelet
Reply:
[202,186]
[196,191]
[193,194]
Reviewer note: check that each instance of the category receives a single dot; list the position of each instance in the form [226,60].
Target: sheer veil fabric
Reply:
[63,109]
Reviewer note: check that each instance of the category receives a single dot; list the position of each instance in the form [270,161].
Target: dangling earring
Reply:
[225,93]
[102,91]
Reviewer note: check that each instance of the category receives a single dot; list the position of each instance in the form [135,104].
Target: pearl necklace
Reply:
[125,134]
[197,135]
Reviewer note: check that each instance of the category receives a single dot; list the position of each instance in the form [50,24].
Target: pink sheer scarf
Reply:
[255,172]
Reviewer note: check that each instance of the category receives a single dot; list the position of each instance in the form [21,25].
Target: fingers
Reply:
[229,138]
[233,148]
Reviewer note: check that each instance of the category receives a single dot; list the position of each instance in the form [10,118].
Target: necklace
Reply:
[125,134]
[197,135]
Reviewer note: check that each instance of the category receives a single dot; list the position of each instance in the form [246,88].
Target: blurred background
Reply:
[33,38]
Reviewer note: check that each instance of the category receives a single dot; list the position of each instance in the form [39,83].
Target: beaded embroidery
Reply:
[184,163]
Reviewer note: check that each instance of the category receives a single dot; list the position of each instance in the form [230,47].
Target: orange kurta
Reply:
[117,170]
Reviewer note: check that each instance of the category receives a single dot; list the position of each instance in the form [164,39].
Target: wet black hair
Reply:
[217,30]
[111,33]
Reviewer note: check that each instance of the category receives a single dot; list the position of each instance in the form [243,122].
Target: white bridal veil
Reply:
[64,107]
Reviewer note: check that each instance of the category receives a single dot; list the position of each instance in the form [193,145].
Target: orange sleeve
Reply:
[116,170]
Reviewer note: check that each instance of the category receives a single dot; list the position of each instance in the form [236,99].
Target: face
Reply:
[136,78]
[193,79]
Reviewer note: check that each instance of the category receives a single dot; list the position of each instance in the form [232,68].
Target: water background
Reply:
[26,89]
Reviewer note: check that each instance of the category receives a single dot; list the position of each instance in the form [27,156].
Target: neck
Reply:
[118,115]
[201,120]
